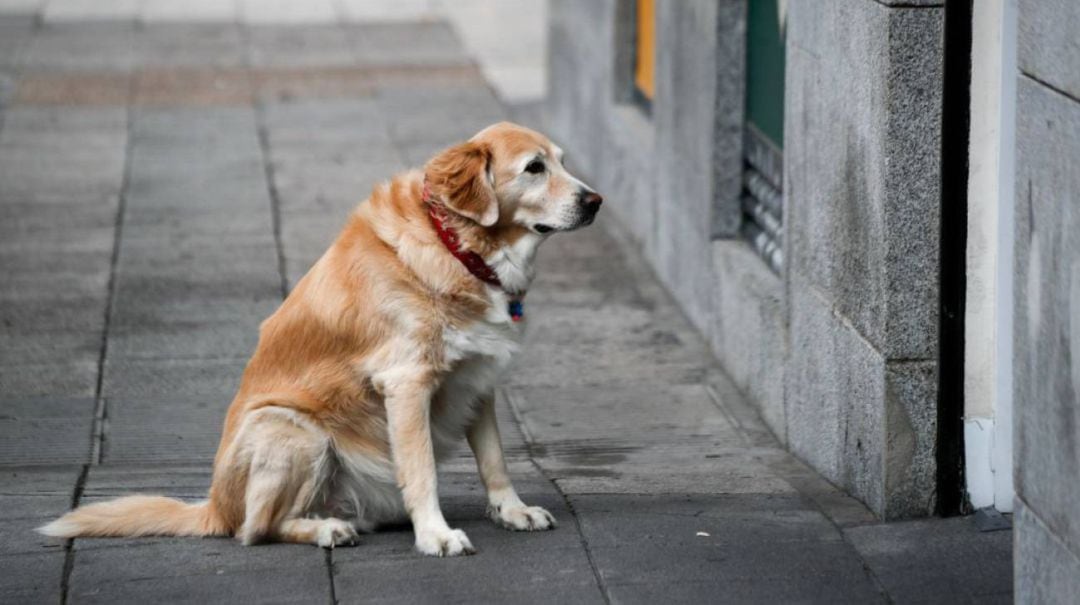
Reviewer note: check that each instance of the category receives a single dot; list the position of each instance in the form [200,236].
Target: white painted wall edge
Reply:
[989,263]
[978,456]
[1004,487]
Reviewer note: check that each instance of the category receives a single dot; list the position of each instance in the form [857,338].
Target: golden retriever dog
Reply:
[384,355]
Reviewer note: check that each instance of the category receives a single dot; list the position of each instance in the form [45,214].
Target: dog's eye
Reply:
[535,167]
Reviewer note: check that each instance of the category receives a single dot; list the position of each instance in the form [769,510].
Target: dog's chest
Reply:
[477,355]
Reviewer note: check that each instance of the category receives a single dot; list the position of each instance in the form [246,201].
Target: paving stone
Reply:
[42,347]
[217,378]
[765,591]
[167,11]
[59,379]
[938,560]
[324,121]
[112,480]
[405,44]
[604,364]
[185,44]
[31,493]
[285,11]
[32,578]
[508,565]
[759,537]
[298,46]
[160,429]
[73,47]
[67,89]
[45,430]
[192,570]
[473,109]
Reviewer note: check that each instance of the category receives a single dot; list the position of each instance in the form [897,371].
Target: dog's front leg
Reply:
[504,505]
[408,413]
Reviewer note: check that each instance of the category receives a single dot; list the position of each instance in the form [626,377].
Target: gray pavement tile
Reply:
[160,429]
[427,44]
[149,288]
[54,379]
[298,46]
[31,493]
[34,316]
[15,31]
[112,480]
[40,430]
[669,413]
[101,46]
[189,45]
[19,538]
[617,323]
[937,560]
[507,567]
[54,345]
[82,222]
[605,364]
[210,378]
[325,122]
[192,570]
[195,340]
[676,539]
[62,285]
[177,129]
[744,590]
[78,256]
[411,120]
[32,578]
[172,313]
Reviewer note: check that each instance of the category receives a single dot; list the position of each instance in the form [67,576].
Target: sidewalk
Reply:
[162,185]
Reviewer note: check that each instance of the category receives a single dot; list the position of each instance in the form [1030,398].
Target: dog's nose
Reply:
[590,201]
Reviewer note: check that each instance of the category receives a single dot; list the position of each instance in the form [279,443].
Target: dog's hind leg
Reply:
[288,470]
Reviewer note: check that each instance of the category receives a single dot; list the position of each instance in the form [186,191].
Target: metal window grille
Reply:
[762,197]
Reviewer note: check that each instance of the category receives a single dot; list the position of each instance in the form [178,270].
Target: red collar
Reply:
[472,261]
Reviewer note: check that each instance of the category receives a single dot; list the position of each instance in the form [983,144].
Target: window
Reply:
[763,140]
[645,52]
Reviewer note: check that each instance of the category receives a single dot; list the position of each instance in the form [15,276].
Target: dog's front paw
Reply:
[444,543]
[335,532]
[522,518]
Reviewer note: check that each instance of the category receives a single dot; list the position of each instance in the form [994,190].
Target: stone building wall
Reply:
[1047,298]
[838,352]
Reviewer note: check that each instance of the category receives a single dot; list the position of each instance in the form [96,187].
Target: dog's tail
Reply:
[134,516]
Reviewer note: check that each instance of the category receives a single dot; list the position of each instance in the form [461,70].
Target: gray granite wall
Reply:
[862,199]
[839,353]
[1047,299]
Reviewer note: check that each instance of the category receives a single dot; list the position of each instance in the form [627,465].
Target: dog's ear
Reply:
[460,176]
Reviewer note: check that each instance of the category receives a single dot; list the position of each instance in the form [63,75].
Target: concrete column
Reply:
[862,200]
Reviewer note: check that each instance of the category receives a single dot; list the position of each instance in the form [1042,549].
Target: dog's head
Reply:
[511,175]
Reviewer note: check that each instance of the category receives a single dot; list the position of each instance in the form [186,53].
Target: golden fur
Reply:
[383,355]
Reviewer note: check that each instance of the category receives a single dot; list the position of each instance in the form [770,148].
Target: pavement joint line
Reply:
[97,428]
[714,397]
[515,412]
[867,570]
[259,107]
[69,544]
[329,556]
[275,199]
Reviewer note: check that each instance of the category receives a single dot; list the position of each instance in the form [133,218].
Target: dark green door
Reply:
[763,142]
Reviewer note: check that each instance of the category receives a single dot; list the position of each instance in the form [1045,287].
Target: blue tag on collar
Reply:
[517,310]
